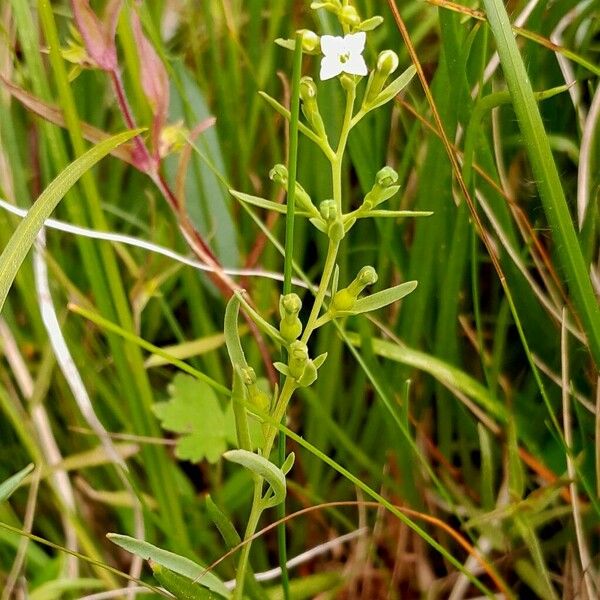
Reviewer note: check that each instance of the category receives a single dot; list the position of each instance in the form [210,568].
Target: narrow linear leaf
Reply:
[228,532]
[232,335]
[445,373]
[546,174]
[24,236]
[262,467]
[392,90]
[180,586]
[398,213]
[179,564]
[12,483]
[263,203]
[383,298]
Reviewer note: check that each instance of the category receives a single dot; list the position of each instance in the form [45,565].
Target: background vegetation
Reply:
[475,403]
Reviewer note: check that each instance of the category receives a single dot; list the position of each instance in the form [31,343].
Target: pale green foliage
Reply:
[194,411]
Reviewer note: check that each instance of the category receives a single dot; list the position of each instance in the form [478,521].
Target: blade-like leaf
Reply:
[181,587]
[546,174]
[383,298]
[22,239]
[179,564]
[12,483]
[262,467]
[392,90]
[263,203]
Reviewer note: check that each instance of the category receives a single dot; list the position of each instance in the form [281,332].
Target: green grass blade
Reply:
[23,238]
[546,174]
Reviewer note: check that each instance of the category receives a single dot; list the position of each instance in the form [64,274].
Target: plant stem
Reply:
[253,519]
[289,385]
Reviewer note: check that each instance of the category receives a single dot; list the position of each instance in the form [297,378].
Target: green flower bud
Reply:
[289,305]
[311,43]
[333,222]
[310,108]
[348,15]
[345,299]
[366,276]
[279,174]
[348,82]
[290,326]
[328,210]
[297,358]
[386,177]
[257,397]
[308,89]
[387,63]
[248,376]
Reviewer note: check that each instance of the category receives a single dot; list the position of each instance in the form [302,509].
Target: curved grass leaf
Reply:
[24,236]
[12,483]
[263,468]
[546,174]
[445,373]
[179,564]
[183,588]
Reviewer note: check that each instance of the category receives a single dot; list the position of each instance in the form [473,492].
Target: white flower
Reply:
[343,55]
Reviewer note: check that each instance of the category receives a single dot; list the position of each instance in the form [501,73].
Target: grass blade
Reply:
[23,238]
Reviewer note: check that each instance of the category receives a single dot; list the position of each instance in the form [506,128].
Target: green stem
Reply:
[290,385]
[255,513]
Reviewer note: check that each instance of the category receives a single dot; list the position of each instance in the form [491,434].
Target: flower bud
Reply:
[257,397]
[279,174]
[308,89]
[386,177]
[387,63]
[345,299]
[348,15]
[310,108]
[348,82]
[290,305]
[334,226]
[297,359]
[290,326]
[311,43]
[328,210]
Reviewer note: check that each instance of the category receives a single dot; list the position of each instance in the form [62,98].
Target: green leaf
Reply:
[393,89]
[232,336]
[444,372]
[226,528]
[263,468]
[22,239]
[207,203]
[370,24]
[383,298]
[8,486]
[398,213]
[263,203]
[181,587]
[179,564]
[546,175]
[193,411]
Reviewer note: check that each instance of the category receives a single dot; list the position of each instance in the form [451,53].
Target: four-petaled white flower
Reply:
[343,55]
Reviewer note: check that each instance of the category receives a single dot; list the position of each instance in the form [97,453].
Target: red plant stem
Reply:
[151,166]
